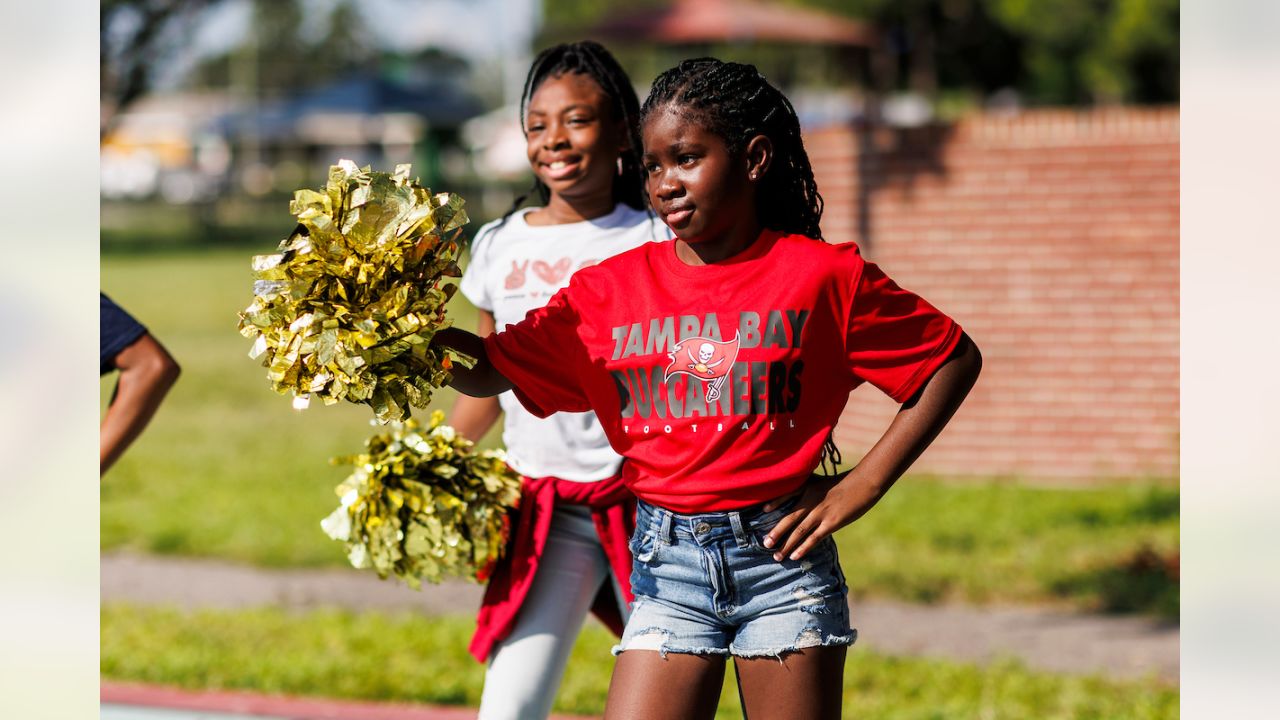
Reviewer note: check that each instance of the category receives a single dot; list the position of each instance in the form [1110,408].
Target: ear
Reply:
[759,154]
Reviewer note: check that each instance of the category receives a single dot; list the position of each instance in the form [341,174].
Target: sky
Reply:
[476,29]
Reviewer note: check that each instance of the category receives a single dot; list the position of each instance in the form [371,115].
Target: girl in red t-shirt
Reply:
[718,364]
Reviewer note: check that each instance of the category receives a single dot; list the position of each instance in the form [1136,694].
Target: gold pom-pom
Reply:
[423,504]
[347,308]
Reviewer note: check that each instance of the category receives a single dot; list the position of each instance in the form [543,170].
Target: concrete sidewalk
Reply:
[1118,647]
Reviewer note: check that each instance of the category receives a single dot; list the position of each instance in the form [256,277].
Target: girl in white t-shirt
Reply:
[569,550]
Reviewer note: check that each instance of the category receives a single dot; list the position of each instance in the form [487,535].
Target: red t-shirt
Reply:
[719,383]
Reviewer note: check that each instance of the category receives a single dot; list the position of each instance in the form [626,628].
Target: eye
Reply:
[579,121]
[534,129]
[687,159]
[652,167]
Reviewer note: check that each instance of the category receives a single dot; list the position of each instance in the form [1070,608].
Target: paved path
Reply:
[1057,641]
[133,701]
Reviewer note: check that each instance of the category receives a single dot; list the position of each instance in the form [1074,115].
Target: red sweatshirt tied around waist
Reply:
[613,509]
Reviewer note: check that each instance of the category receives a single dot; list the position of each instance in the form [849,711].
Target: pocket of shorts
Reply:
[757,539]
[761,526]
[644,543]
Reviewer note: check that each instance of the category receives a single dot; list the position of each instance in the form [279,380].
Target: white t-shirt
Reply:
[516,267]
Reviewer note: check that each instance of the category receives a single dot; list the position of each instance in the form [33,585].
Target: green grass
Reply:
[156,226]
[931,541]
[410,658]
[228,469]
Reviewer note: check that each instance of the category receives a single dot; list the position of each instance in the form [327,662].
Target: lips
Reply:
[561,168]
[677,216]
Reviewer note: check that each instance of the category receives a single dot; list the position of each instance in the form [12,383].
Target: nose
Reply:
[665,185]
[554,137]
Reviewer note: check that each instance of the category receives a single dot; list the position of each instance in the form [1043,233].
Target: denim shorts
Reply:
[705,584]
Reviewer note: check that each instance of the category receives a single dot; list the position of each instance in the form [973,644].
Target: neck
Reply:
[561,210]
[704,251]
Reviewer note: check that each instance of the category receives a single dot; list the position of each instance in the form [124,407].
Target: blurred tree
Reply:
[1052,51]
[575,15]
[348,42]
[1103,51]
[424,62]
[277,45]
[285,56]
[135,38]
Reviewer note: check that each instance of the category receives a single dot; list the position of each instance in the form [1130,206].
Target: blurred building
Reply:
[165,146]
[366,118]
[497,144]
[183,147]
[1052,236]
[826,63]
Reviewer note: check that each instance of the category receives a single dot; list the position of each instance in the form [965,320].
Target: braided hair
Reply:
[735,102]
[593,60]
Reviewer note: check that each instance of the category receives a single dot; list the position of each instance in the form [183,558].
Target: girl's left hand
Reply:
[829,503]
[826,505]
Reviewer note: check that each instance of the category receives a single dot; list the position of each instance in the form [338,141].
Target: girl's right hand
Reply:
[482,380]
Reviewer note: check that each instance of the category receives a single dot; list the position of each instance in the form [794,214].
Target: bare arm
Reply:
[483,380]
[826,505]
[147,371]
[473,416]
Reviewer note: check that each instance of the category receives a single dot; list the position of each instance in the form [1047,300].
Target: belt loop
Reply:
[739,533]
[664,530]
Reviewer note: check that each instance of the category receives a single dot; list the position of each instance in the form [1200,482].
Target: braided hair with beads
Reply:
[734,101]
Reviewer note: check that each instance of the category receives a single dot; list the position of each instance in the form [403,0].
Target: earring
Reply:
[619,165]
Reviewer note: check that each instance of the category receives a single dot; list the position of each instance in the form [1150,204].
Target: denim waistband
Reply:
[709,526]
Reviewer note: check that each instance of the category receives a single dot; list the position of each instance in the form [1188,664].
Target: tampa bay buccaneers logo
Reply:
[708,360]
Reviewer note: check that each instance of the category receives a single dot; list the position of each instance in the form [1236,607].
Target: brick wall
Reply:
[1052,236]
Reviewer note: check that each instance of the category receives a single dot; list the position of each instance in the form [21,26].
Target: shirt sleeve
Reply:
[473,285]
[117,330]
[544,358]
[895,339]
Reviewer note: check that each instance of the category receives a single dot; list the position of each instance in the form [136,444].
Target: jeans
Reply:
[526,667]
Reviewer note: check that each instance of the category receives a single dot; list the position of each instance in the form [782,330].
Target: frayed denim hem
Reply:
[808,638]
[659,639]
